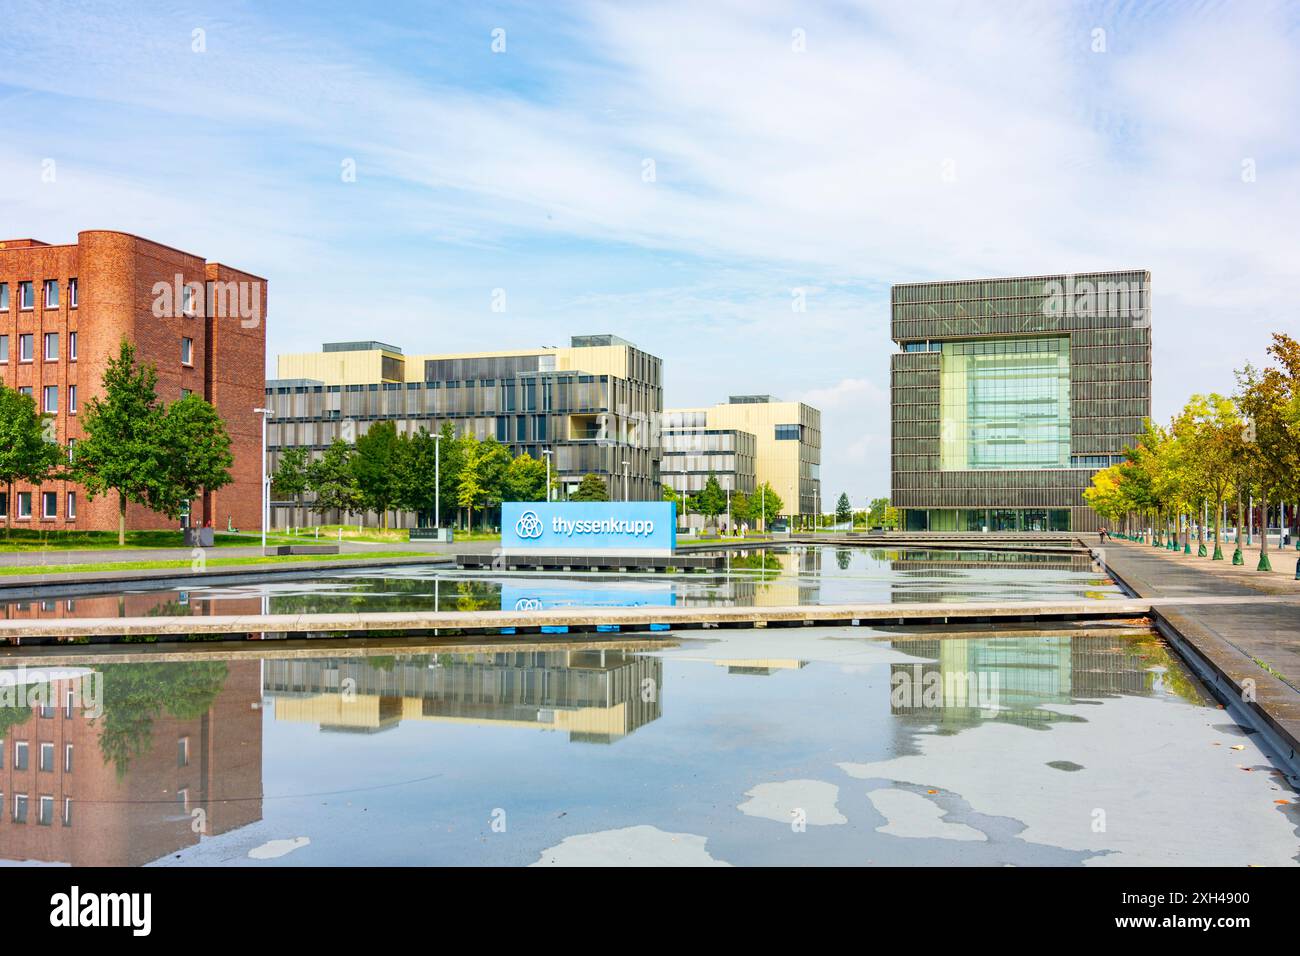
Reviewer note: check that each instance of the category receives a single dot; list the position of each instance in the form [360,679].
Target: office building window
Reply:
[67,811]
[45,812]
[72,400]
[51,294]
[45,760]
[2,753]
[25,344]
[20,754]
[72,449]
[26,296]
[51,346]
[187,351]
[787,432]
[4,296]
[1004,403]
[72,505]
[4,348]
[72,293]
[24,504]
[72,346]
[20,808]
[4,513]
[25,390]
[49,504]
[183,752]
[50,398]
[67,753]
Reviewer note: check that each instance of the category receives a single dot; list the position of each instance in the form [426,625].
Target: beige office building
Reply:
[787,443]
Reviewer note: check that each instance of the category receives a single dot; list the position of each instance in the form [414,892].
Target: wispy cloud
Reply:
[833,148]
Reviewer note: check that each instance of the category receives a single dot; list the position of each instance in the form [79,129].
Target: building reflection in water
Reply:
[175,756]
[961,568]
[595,696]
[1017,679]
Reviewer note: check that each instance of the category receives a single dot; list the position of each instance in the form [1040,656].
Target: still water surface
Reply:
[829,745]
[793,576]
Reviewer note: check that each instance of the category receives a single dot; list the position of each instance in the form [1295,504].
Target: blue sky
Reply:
[904,141]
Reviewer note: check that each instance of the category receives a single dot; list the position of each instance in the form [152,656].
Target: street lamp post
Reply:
[437,481]
[266,489]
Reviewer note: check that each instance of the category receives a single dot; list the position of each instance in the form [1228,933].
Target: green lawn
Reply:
[211,563]
[27,539]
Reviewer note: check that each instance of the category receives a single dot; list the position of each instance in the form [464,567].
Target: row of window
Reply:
[50,342]
[27,345]
[44,809]
[27,295]
[49,509]
[45,760]
[50,397]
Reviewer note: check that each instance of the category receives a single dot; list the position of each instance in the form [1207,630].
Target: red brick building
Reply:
[62,799]
[63,312]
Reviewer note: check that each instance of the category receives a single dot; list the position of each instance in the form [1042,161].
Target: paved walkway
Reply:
[1251,632]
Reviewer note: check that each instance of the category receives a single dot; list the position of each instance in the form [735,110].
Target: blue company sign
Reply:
[579,527]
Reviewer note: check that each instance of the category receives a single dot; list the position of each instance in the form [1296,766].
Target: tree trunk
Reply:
[121,520]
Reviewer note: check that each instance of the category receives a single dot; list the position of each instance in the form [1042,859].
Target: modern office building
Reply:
[1009,394]
[595,405]
[64,311]
[786,448]
[692,454]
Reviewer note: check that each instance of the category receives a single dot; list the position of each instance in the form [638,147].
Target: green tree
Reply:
[525,479]
[375,468]
[196,454]
[415,473]
[122,450]
[843,510]
[1266,400]
[1213,427]
[592,488]
[712,500]
[332,480]
[876,512]
[290,476]
[470,489]
[25,453]
[766,503]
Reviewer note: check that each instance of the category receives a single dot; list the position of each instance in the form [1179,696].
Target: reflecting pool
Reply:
[788,576]
[1077,746]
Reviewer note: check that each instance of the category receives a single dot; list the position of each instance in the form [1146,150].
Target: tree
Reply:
[712,500]
[122,451]
[843,510]
[1106,495]
[591,488]
[1213,427]
[1266,400]
[25,453]
[290,476]
[876,512]
[417,467]
[375,468]
[196,455]
[766,503]
[525,479]
[333,481]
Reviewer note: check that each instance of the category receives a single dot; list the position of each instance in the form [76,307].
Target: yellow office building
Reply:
[787,445]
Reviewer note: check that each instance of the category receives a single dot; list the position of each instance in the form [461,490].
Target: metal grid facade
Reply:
[1107,317]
